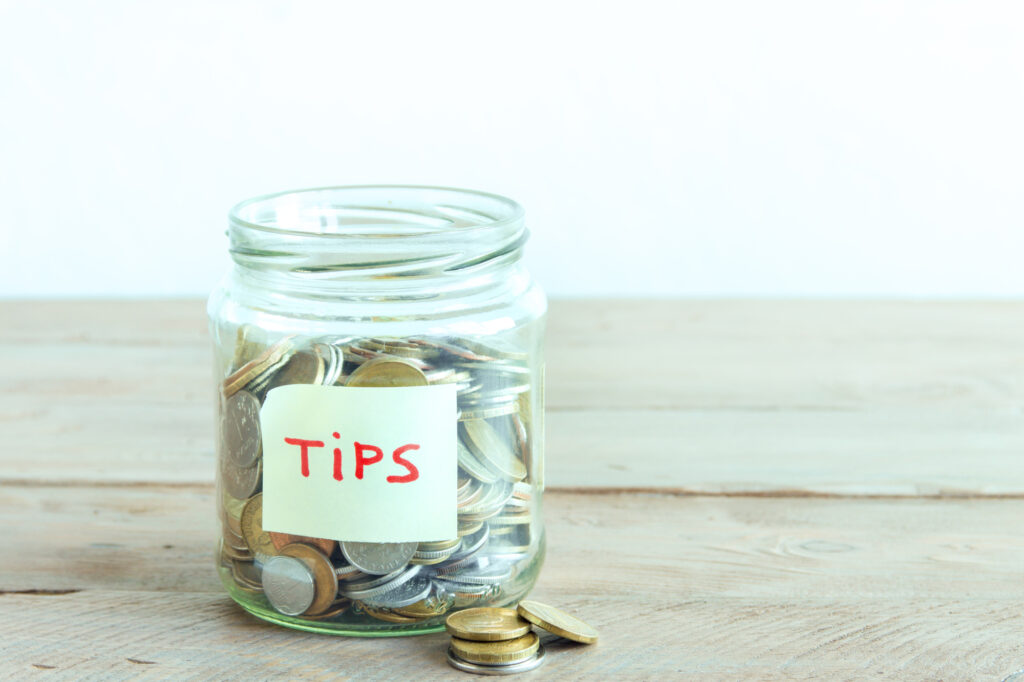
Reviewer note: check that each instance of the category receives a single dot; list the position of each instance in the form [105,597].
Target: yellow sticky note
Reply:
[360,464]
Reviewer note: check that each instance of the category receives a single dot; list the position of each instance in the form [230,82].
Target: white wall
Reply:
[721,148]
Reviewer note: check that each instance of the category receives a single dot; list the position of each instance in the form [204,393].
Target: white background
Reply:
[706,148]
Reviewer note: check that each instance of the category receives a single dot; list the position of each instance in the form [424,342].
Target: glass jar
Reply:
[379,357]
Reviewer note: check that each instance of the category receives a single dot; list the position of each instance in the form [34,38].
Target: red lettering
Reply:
[337,465]
[361,461]
[305,445]
[337,460]
[414,473]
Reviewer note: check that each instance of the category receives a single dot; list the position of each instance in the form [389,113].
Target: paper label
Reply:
[360,464]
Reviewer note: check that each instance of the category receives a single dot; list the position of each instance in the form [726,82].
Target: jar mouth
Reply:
[390,236]
[378,211]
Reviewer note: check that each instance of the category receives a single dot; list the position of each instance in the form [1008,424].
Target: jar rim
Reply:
[504,213]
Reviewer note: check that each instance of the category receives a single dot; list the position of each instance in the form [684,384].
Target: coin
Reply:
[240,482]
[493,450]
[431,607]
[388,616]
[256,539]
[281,539]
[303,368]
[246,576]
[339,607]
[438,546]
[324,579]
[403,594]
[497,653]
[369,590]
[288,584]
[348,572]
[511,669]
[378,557]
[486,624]
[254,368]
[240,429]
[387,372]
[557,621]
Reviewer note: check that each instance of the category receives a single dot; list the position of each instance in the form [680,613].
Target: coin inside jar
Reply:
[484,624]
[386,372]
[378,558]
[240,429]
[325,582]
[288,584]
[256,539]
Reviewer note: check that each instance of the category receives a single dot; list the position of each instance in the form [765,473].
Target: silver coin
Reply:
[347,572]
[378,557]
[367,593]
[368,582]
[401,595]
[492,574]
[240,429]
[288,584]
[472,465]
[240,482]
[510,669]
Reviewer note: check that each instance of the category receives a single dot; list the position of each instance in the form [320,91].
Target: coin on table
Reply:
[240,429]
[529,664]
[256,539]
[288,584]
[387,372]
[487,624]
[497,653]
[378,557]
[325,582]
[489,446]
[557,621]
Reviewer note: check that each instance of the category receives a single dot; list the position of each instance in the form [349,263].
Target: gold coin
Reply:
[386,372]
[254,368]
[431,607]
[496,653]
[557,621]
[486,624]
[303,368]
[388,615]
[256,539]
[438,546]
[336,609]
[493,450]
[281,539]
[325,581]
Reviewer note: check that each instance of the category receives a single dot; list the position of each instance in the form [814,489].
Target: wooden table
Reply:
[737,490]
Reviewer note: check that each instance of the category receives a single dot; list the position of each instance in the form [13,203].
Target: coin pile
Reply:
[499,641]
[398,583]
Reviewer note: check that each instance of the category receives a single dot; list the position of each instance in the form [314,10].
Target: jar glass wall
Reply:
[379,288]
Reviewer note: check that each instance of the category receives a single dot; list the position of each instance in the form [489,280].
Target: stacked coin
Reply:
[499,641]
[400,583]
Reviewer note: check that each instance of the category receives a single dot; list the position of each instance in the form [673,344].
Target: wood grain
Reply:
[833,491]
[694,587]
[837,398]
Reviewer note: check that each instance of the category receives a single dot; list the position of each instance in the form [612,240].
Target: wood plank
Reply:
[122,391]
[147,436]
[692,587]
[662,353]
